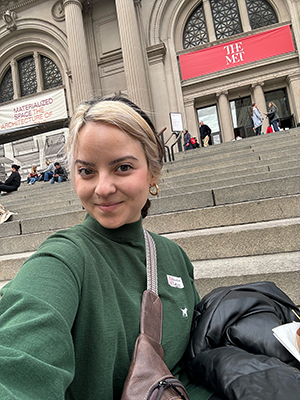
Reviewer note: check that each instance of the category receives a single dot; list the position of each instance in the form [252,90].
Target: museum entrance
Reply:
[241,118]
[280,99]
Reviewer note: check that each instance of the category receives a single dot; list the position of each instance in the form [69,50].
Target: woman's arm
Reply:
[37,310]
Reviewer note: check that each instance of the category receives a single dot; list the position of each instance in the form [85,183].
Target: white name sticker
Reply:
[175,281]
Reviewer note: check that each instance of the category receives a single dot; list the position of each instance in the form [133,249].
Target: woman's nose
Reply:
[105,185]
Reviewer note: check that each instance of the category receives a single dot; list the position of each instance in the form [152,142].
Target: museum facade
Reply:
[208,60]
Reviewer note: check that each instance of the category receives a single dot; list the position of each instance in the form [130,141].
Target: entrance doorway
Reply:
[280,98]
[209,116]
[241,118]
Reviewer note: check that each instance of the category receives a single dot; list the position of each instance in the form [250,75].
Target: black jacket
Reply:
[14,180]
[61,171]
[232,347]
[204,131]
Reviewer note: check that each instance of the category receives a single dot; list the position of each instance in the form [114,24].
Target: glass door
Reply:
[241,118]
[209,116]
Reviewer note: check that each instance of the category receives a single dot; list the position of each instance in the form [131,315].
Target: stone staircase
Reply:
[234,208]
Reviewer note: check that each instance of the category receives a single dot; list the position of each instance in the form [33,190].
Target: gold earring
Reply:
[157,190]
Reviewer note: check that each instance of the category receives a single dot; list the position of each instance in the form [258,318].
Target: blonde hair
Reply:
[33,169]
[273,104]
[125,115]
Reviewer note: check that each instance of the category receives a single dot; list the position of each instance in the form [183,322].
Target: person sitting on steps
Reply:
[48,173]
[60,174]
[13,182]
[34,175]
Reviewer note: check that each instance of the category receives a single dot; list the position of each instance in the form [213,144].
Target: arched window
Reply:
[51,74]
[226,18]
[6,87]
[27,77]
[195,32]
[260,13]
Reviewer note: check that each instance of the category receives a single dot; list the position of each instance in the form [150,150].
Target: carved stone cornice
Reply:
[156,53]
[14,4]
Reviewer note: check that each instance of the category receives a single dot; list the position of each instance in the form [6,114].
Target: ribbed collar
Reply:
[127,233]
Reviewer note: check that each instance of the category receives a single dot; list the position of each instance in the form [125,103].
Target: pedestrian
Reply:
[257,119]
[187,140]
[273,116]
[60,174]
[13,182]
[205,134]
[70,318]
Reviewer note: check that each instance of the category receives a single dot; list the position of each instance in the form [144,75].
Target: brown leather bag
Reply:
[149,378]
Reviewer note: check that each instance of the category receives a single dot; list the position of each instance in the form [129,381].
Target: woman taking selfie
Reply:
[70,318]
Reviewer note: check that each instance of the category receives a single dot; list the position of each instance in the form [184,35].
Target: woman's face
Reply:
[111,175]
[270,105]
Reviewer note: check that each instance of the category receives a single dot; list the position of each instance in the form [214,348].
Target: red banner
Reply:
[237,52]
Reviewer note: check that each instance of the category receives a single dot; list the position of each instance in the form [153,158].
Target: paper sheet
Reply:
[286,334]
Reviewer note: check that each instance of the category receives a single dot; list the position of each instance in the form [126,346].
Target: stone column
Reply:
[244,15]
[88,27]
[191,118]
[209,21]
[293,82]
[225,116]
[133,59]
[259,99]
[16,79]
[79,60]
[38,70]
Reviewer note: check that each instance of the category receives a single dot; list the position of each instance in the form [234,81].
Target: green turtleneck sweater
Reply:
[70,318]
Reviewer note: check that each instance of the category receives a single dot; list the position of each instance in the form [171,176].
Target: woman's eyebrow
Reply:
[121,159]
[86,163]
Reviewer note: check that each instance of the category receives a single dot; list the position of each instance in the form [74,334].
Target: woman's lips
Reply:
[108,207]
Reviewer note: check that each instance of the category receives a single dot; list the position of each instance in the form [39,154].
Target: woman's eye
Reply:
[124,168]
[85,171]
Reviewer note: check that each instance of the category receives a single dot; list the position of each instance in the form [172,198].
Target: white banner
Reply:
[45,107]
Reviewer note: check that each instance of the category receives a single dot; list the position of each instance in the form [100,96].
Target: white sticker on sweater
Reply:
[175,281]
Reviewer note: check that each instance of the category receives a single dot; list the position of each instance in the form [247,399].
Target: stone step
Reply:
[260,238]
[225,215]
[276,140]
[24,210]
[230,214]
[10,265]
[248,155]
[227,195]
[184,186]
[282,268]
[231,164]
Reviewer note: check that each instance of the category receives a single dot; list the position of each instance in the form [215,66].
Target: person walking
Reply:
[187,140]
[257,119]
[273,116]
[205,133]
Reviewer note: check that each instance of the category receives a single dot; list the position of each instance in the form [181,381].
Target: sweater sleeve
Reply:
[37,310]
[11,178]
